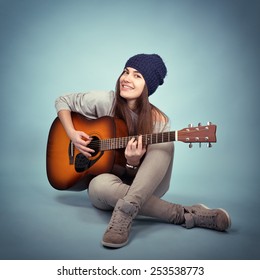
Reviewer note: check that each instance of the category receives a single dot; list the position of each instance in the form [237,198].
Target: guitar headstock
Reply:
[198,134]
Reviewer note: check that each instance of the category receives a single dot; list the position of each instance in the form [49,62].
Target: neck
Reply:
[131,105]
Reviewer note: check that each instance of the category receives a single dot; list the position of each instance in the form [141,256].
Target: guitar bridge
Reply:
[71,151]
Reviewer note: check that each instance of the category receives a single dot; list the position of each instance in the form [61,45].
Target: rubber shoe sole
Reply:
[221,209]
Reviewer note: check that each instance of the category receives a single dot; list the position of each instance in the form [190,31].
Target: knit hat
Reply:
[152,68]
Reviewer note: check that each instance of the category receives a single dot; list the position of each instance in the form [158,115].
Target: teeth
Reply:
[126,87]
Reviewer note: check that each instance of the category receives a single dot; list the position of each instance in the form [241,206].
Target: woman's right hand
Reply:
[81,141]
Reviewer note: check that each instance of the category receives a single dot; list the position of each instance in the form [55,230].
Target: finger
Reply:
[85,136]
[134,145]
[140,142]
[83,145]
[88,155]
[88,149]
[130,143]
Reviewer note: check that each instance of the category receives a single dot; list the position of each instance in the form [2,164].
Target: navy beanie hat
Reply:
[152,68]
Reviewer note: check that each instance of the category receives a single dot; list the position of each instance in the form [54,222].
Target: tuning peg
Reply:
[199,124]
[209,123]
[209,145]
[190,145]
[200,144]
[190,125]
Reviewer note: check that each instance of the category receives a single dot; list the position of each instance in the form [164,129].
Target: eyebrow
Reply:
[135,71]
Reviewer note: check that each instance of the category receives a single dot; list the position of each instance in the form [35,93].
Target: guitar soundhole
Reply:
[94,144]
[82,163]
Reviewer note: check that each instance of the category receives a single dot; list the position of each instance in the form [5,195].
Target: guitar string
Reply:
[121,142]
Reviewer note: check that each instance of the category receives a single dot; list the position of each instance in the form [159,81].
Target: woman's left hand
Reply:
[134,151]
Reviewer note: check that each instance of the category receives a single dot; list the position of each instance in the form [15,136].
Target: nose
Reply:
[127,78]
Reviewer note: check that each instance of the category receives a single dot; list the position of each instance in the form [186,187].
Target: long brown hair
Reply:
[146,112]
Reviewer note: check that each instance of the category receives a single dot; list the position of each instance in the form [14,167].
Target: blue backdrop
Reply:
[211,48]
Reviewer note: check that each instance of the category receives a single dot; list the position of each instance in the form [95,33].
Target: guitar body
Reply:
[68,169]
[65,170]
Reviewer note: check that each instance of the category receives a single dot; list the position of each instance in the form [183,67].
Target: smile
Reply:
[126,87]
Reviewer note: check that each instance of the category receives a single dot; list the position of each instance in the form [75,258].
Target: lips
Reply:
[126,87]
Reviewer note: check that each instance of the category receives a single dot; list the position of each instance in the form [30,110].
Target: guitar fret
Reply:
[105,144]
[121,142]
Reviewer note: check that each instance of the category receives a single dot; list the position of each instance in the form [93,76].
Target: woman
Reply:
[148,169]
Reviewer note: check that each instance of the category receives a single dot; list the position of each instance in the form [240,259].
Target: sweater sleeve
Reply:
[92,104]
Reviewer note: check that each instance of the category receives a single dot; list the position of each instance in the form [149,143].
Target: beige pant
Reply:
[151,182]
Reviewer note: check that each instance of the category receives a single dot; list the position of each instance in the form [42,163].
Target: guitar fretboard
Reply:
[121,142]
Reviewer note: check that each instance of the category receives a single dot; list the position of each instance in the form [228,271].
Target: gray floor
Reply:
[38,222]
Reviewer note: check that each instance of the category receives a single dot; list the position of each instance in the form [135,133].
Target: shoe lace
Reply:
[120,221]
[206,219]
[201,218]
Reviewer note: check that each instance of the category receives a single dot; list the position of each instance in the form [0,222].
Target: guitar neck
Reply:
[121,142]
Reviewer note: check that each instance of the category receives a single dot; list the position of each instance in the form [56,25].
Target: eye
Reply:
[125,72]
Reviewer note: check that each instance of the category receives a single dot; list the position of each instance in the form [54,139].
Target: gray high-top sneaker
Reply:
[201,216]
[118,229]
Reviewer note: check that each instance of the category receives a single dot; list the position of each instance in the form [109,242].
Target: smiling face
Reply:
[131,86]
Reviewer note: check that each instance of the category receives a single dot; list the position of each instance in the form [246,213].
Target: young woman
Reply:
[148,168]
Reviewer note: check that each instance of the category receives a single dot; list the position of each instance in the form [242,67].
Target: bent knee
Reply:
[99,190]
[103,181]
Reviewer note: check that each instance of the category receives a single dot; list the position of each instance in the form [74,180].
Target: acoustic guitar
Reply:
[68,169]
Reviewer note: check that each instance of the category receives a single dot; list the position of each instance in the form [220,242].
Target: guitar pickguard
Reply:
[82,163]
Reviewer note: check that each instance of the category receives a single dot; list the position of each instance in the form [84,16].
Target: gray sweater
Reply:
[155,171]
